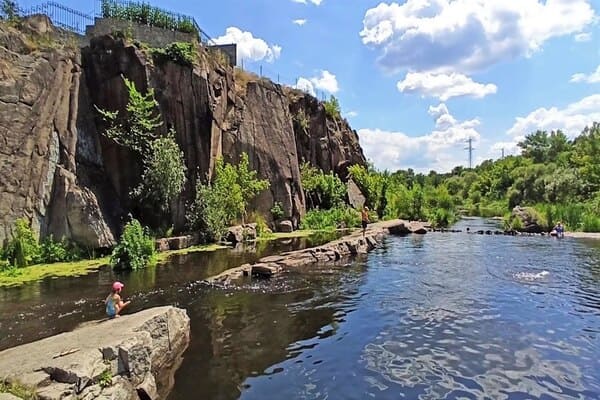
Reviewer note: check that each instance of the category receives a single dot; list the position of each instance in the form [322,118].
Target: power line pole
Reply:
[503,152]
[470,148]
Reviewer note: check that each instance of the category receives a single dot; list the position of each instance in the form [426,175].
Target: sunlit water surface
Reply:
[439,316]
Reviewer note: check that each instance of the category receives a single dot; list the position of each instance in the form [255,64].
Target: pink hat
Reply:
[117,286]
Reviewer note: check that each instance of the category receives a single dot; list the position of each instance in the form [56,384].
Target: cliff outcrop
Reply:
[58,169]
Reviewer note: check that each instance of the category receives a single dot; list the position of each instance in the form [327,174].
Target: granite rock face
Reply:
[43,138]
[60,172]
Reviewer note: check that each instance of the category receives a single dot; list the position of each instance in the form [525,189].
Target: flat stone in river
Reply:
[131,357]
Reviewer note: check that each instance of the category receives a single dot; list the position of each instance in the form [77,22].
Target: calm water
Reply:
[440,316]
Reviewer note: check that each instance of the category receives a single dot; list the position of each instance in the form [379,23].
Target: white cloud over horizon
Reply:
[593,77]
[325,81]
[571,120]
[444,86]
[465,36]
[249,48]
[442,149]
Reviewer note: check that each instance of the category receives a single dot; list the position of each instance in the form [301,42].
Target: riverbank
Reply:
[33,273]
[352,244]
[92,362]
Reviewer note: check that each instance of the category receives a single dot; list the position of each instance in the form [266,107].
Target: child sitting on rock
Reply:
[114,303]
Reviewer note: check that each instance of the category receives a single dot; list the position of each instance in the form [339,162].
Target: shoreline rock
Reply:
[128,358]
[349,245]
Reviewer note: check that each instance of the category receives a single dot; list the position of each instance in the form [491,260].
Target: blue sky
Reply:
[417,78]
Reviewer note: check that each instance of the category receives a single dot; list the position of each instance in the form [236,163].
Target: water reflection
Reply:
[51,306]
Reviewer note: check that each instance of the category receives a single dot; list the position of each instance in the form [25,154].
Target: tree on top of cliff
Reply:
[137,129]
[332,107]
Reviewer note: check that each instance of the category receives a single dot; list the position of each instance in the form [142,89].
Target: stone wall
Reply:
[156,37]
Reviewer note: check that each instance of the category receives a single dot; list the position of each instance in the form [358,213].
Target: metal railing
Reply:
[139,12]
[61,16]
[145,14]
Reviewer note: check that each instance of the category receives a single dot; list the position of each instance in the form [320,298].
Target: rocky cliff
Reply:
[58,169]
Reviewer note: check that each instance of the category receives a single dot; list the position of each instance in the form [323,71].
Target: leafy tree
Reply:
[224,199]
[136,129]
[536,146]
[323,190]
[586,153]
[164,173]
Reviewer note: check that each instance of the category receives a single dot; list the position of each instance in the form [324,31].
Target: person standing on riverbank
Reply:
[365,219]
[114,303]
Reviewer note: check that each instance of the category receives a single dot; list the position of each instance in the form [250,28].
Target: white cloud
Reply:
[351,114]
[583,37]
[594,77]
[467,35]
[444,86]
[249,48]
[571,119]
[300,22]
[325,81]
[305,85]
[315,2]
[440,150]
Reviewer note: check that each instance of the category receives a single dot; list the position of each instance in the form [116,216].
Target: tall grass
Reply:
[341,217]
[575,216]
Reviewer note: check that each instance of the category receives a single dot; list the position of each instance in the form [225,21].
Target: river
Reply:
[439,316]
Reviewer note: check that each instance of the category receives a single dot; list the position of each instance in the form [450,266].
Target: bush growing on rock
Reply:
[277,211]
[332,107]
[164,173]
[322,190]
[223,200]
[340,217]
[181,53]
[23,249]
[135,249]
[137,129]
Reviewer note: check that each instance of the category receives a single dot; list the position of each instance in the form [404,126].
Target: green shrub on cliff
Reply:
[224,200]
[164,173]
[182,53]
[332,107]
[137,128]
[135,249]
[322,190]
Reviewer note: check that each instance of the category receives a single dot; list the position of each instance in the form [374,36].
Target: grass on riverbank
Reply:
[20,276]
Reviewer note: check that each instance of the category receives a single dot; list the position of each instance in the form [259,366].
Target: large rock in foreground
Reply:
[127,358]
